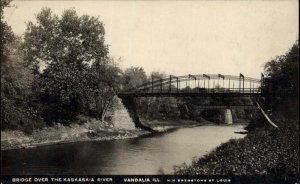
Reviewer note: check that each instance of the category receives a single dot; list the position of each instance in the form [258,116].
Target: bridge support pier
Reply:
[228,116]
[129,103]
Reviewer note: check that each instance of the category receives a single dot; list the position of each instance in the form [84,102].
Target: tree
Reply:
[104,81]
[7,35]
[16,80]
[70,39]
[70,61]
[282,75]
[158,75]
[133,77]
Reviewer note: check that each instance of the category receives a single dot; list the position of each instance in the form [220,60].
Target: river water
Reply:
[143,155]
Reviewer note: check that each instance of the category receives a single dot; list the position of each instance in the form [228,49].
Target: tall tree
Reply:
[72,40]
[16,80]
[6,33]
[61,52]
[282,75]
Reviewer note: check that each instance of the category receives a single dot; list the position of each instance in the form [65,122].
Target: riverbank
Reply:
[158,151]
[265,152]
[90,130]
[165,126]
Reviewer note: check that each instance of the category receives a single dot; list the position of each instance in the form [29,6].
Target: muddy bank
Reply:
[92,130]
[89,131]
[167,125]
[164,126]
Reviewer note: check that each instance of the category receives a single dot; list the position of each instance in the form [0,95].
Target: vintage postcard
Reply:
[149,91]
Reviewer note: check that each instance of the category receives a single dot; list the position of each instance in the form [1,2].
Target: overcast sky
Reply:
[184,37]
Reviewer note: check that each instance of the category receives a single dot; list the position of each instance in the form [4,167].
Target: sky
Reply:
[183,37]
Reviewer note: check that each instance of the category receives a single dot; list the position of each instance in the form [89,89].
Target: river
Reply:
[149,154]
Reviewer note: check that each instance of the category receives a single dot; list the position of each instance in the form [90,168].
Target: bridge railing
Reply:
[198,90]
[208,81]
[200,84]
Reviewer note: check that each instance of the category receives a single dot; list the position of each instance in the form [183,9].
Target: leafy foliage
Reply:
[103,82]
[282,75]
[133,77]
[6,33]
[60,70]
[16,111]
[73,73]
[16,92]
[69,39]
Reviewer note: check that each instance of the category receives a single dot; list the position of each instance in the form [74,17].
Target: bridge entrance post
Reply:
[243,84]
[221,76]
[240,83]
[241,76]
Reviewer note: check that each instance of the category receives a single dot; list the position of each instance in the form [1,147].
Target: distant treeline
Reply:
[190,108]
[61,68]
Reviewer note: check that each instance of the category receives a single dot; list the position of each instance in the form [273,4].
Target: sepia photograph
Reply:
[148,91]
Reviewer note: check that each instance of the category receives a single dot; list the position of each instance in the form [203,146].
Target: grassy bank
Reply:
[265,151]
